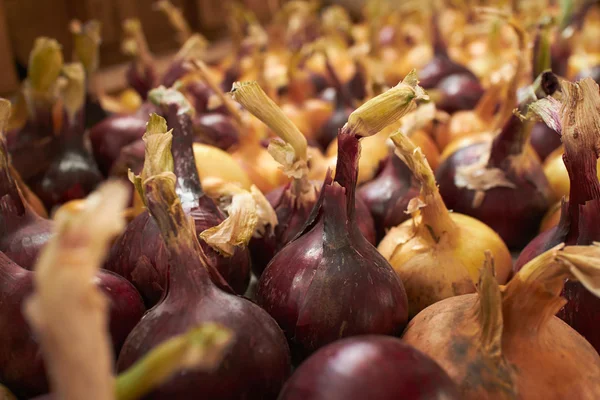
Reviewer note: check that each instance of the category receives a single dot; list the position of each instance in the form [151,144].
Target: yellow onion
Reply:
[214,163]
[438,254]
[551,218]
[505,342]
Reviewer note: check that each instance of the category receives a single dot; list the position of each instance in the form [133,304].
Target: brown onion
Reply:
[506,343]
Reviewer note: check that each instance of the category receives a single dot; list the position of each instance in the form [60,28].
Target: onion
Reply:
[329,282]
[293,202]
[141,74]
[388,193]
[344,105]
[510,332]
[557,174]
[455,86]
[22,231]
[258,362]
[214,163]
[370,366]
[138,254]
[32,146]
[21,367]
[217,130]
[437,254]
[503,185]
[578,218]
[110,135]
[72,173]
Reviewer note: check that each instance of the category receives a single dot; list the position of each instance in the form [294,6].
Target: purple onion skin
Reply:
[369,367]
[21,363]
[388,193]
[115,132]
[131,158]
[216,129]
[142,81]
[515,214]
[291,220]
[330,282]
[254,367]
[459,92]
[439,68]
[544,140]
[581,312]
[22,232]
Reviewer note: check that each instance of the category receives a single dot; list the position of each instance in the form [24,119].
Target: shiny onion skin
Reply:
[257,363]
[291,220]
[216,129]
[514,213]
[21,366]
[22,231]
[73,172]
[506,343]
[388,193]
[139,254]
[369,367]
[544,140]
[113,133]
[330,282]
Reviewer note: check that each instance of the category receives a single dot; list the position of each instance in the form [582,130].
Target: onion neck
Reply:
[188,188]
[202,347]
[178,232]
[435,216]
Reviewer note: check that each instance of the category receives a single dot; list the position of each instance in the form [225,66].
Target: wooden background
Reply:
[21,21]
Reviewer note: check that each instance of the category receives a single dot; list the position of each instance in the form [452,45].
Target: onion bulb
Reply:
[330,282]
[505,342]
[437,253]
[369,366]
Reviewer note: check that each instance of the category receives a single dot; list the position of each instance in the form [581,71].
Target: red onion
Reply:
[344,105]
[503,186]
[32,146]
[257,364]
[141,74]
[139,255]
[115,132]
[579,216]
[456,87]
[22,231]
[330,282]
[216,129]
[21,367]
[369,367]
[292,202]
[72,173]
[543,139]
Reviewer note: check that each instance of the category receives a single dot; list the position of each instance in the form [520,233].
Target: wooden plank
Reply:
[9,82]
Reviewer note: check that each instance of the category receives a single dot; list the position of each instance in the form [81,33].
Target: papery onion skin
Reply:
[455,352]
[369,367]
[514,214]
[21,365]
